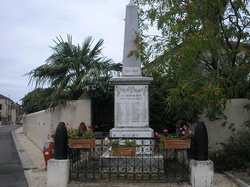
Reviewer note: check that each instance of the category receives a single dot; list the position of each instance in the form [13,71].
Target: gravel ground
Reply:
[38,177]
[242,175]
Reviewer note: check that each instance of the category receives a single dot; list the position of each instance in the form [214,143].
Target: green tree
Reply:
[72,70]
[202,50]
[36,100]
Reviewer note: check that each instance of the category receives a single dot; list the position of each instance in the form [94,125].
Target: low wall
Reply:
[37,125]
[237,116]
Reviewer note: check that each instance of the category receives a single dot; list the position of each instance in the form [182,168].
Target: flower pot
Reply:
[123,151]
[82,143]
[177,144]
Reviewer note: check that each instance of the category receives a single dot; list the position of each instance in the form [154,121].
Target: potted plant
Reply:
[183,141]
[81,137]
[122,147]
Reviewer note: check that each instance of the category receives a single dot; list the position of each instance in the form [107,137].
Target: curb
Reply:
[26,161]
[236,180]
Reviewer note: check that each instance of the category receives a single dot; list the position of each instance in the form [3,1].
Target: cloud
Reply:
[28,28]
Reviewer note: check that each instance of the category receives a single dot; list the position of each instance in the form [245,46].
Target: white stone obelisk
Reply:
[131,90]
[131,66]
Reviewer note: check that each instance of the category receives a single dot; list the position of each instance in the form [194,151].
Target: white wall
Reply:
[236,114]
[37,125]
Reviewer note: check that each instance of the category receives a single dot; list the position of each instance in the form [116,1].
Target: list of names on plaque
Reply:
[131,105]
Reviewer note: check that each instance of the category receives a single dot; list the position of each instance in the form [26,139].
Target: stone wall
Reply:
[237,117]
[37,125]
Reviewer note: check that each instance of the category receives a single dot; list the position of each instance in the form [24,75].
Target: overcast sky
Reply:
[28,27]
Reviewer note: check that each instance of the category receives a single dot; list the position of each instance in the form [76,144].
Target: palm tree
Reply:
[71,69]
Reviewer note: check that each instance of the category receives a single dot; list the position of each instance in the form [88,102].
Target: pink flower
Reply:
[81,126]
[157,134]
[153,145]
[96,126]
[185,127]
[183,132]
[165,130]
[180,128]
[89,127]
[190,132]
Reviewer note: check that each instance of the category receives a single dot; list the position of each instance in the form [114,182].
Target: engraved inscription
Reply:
[131,105]
[131,71]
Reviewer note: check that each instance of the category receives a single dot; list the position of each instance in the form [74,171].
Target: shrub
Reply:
[236,152]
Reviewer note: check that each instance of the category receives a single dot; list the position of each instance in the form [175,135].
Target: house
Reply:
[10,112]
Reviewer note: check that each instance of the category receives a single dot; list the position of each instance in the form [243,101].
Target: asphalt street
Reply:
[11,170]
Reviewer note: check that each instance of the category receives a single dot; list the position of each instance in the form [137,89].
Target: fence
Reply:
[151,162]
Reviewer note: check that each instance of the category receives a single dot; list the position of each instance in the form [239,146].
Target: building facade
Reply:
[10,112]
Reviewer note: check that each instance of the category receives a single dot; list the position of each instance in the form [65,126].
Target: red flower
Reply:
[165,130]
[157,134]
[89,127]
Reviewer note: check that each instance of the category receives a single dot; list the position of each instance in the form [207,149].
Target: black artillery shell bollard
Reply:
[61,142]
[200,142]
[81,129]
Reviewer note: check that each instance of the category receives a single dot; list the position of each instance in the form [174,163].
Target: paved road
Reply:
[11,170]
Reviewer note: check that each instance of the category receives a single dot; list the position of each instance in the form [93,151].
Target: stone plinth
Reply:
[132,132]
[131,107]
[202,173]
[131,80]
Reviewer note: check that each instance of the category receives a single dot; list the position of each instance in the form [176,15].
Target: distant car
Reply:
[20,122]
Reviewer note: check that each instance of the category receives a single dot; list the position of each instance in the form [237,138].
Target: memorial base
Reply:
[132,132]
[145,144]
[154,161]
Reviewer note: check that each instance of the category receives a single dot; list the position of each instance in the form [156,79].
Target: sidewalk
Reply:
[32,159]
[33,163]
